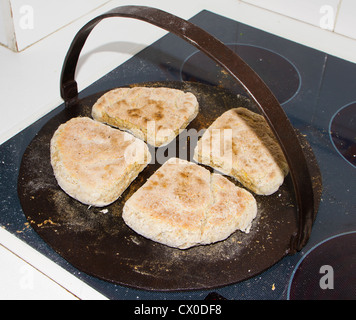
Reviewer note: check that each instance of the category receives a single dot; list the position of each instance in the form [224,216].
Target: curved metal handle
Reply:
[242,73]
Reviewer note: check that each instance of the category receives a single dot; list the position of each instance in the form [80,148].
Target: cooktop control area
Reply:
[317,92]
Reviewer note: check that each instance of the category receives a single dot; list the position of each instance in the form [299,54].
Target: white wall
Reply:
[32,20]
[3,36]
[24,22]
[333,15]
[6,25]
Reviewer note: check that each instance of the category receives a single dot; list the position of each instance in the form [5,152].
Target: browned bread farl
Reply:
[241,144]
[95,163]
[183,205]
[155,115]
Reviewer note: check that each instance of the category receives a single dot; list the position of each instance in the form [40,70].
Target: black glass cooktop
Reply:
[317,92]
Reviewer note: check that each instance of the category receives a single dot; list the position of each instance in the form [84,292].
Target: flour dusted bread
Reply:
[183,205]
[241,144]
[155,115]
[95,163]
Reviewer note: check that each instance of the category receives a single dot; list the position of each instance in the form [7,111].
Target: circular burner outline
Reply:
[255,46]
[330,136]
[308,252]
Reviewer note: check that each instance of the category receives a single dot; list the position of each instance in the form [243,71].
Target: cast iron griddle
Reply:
[101,245]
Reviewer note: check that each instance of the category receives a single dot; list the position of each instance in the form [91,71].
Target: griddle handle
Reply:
[242,73]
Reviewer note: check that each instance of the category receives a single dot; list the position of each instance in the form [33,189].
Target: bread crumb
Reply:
[49,221]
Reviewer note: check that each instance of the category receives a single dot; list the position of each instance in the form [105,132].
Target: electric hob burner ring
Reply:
[277,71]
[103,246]
[327,271]
[343,134]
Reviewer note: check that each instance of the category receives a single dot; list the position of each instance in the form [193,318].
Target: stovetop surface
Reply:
[317,92]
